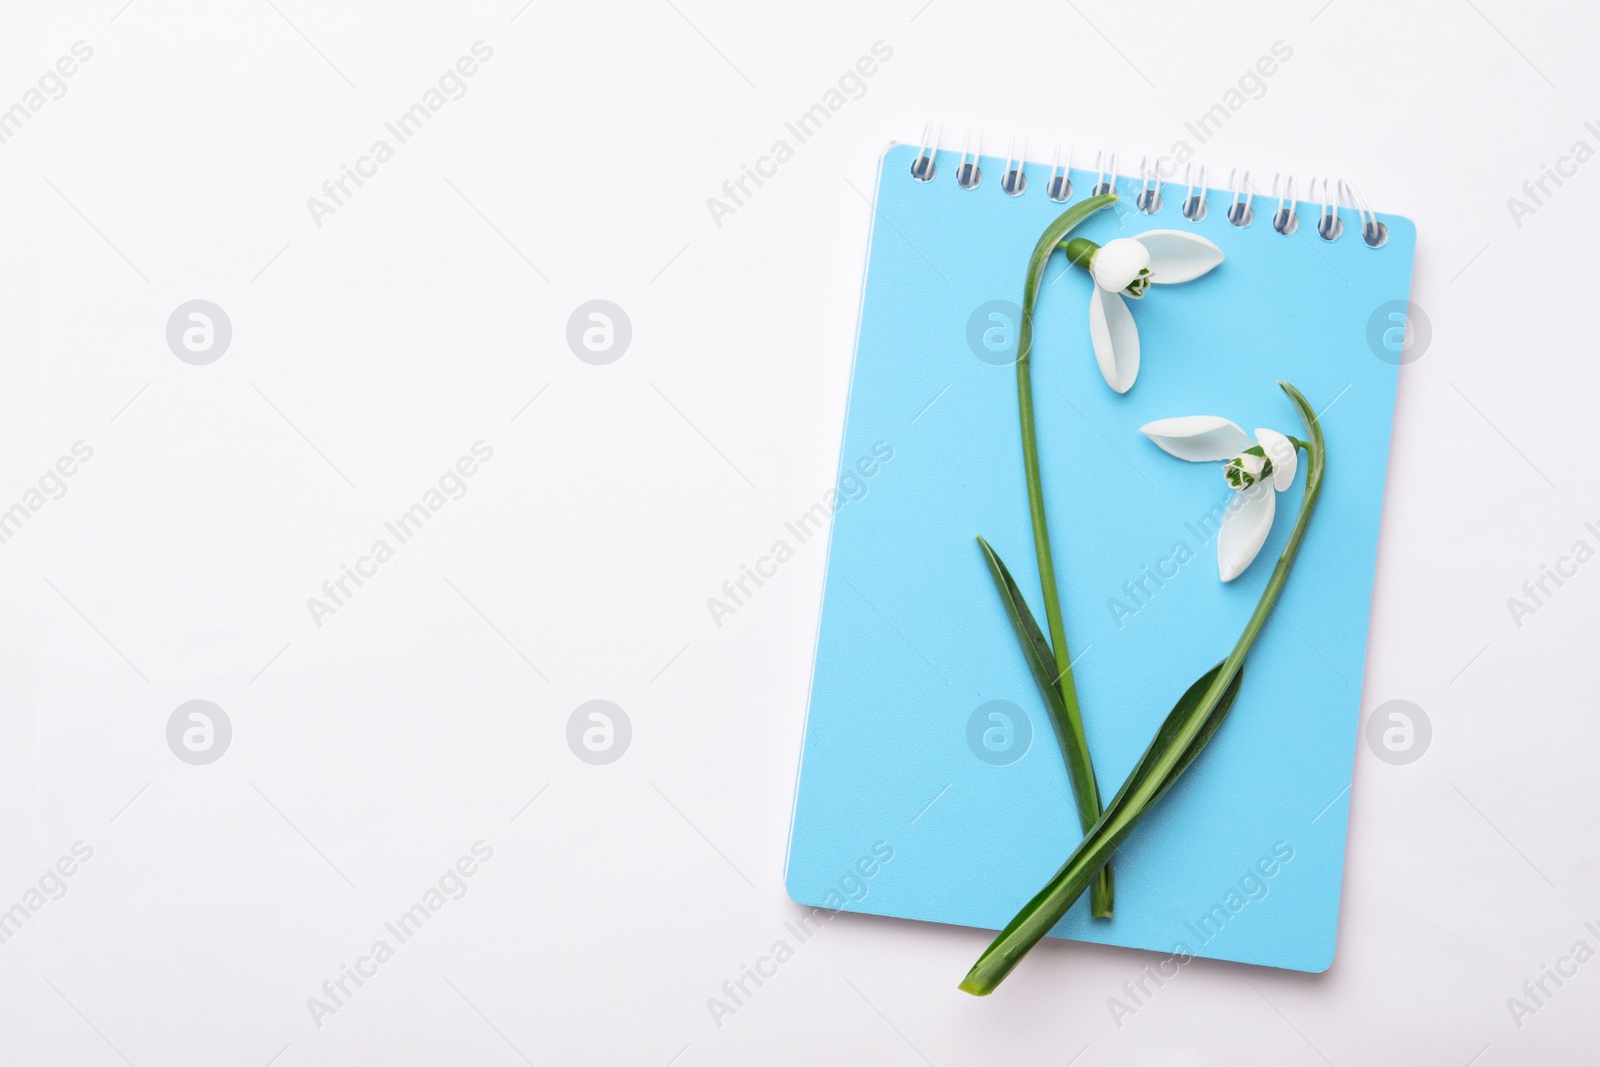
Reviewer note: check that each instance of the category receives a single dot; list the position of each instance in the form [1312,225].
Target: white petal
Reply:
[1115,339]
[1118,263]
[1176,256]
[1197,438]
[1285,459]
[1244,529]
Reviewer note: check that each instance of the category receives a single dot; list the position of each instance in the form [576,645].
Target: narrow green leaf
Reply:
[1067,722]
[1172,727]
[1196,717]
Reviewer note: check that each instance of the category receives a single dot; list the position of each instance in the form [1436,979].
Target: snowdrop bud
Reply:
[1122,266]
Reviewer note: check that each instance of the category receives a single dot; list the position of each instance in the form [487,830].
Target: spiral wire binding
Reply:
[1014,181]
[1149,198]
[1241,215]
[1335,195]
[1286,219]
[968,175]
[1060,187]
[1374,232]
[1101,186]
[1194,208]
[1329,225]
[922,168]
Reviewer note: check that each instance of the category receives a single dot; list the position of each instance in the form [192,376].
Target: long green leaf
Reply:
[1172,728]
[1152,776]
[1064,717]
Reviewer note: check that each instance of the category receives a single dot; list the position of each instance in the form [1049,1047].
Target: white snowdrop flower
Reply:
[1127,267]
[1257,470]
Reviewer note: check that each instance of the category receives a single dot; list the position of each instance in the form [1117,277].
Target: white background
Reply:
[371,351]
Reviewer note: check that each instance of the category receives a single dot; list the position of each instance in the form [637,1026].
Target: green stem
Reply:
[1086,792]
[1160,769]
[1316,453]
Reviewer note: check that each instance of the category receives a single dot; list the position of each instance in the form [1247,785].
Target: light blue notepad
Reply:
[926,741]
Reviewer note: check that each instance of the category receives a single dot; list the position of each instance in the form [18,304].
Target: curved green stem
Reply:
[1086,791]
[1316,452]
[1174,748]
